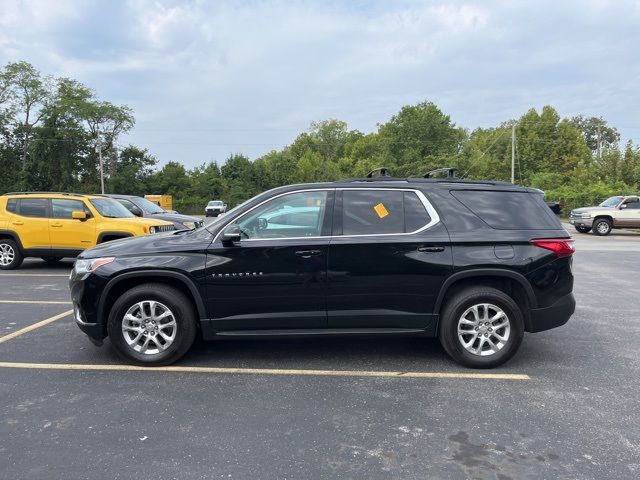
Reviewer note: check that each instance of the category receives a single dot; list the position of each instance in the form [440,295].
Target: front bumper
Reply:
[553,316]
[581,222]
[85,296]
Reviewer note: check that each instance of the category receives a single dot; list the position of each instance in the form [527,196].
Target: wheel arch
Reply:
[512,283]
[13,236]
[117,234]
[125,281]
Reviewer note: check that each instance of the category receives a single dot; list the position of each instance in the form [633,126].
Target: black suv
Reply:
[475,263]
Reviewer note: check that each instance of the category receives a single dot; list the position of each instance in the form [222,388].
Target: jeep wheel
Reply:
[602,227]
[152,324]
[583,229]
[10,256]
[481,327]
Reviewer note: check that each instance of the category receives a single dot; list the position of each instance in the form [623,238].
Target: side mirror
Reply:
[231,234]
[262,223]
[82,216]
[623,206]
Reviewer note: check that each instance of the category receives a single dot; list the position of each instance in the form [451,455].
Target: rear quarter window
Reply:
[509,210]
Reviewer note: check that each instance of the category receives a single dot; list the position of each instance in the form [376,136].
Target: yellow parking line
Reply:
[44,302]
[271,371]
[30,328]
[34,274]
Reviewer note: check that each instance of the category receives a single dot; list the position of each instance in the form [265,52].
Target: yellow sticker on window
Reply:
[381,210]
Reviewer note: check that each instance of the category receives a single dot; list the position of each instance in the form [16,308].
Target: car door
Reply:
[275,277]
[31,222]
[629,214]
[68,235]
[388,258]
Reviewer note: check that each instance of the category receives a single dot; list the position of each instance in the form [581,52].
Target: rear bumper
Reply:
[553,316]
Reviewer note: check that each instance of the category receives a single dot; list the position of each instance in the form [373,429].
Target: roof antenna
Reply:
[381,172]
[451,172]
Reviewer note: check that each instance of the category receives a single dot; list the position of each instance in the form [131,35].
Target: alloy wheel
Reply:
[483,329]
[7,254]
[149,327]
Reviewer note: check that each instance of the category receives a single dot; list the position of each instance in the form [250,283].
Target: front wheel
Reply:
[481,327]
[583,229]
[152,324]
[602,227]
[10,255]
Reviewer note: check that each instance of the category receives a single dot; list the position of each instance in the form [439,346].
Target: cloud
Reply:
[210,78]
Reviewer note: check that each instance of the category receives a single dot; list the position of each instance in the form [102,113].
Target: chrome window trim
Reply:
[433,214]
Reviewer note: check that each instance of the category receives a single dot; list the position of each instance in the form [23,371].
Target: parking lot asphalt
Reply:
[313,408]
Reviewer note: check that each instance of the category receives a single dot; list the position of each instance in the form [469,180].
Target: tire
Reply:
[461,305]
[165,297]
[51,259]
[10,255]
[583,229]
[602,227]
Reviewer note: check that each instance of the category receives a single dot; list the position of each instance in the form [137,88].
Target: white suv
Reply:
[615,212]
[215,208]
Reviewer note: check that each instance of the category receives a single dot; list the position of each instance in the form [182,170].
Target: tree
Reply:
[28,94]
[417,132]
[132,172]
[597,133]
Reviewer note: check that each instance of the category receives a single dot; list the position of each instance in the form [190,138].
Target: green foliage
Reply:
[49,128]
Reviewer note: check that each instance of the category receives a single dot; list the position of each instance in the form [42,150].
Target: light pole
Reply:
[99,150]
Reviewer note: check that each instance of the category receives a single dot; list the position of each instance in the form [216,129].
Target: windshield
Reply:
[148,206]
[215,203]
[611,202]
[110,208]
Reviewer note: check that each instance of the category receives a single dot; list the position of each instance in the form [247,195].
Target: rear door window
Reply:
[382,212]
[370,212]
[509,210]
[33,207]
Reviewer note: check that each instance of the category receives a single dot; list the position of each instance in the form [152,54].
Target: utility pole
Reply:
[513,153]
[99,150]
[599,143]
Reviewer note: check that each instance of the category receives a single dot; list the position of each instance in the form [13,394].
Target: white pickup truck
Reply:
[215,208]
[615,212]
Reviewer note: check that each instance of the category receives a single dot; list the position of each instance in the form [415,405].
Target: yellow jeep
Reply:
[57,225]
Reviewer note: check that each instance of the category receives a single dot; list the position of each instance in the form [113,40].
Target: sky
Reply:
[210,78]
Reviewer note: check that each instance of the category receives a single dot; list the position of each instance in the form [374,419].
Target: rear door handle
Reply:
[56,224]
[431,248]
[308,253]
[16,222]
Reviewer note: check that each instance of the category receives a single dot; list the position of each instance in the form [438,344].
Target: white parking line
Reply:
[34,326]
[271,371]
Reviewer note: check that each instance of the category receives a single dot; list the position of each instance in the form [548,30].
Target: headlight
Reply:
[586,215]
[152,229]
[86,266]
[189,225]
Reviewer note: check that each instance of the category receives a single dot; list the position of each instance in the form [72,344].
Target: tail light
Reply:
[562,247]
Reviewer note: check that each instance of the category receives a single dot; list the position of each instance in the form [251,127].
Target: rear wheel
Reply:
[51,259]
[481,327]
[602,226]
[583,229]
[152,324]
[10,255]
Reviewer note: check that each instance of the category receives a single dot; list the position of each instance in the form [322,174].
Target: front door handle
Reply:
[56,224]
[17,222]
[431,248]
[308,253]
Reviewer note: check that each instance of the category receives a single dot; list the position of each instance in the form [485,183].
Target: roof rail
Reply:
[451,172]
[46,193]
[381,172]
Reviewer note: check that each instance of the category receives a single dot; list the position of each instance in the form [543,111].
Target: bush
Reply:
[576,196]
